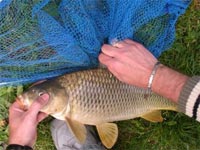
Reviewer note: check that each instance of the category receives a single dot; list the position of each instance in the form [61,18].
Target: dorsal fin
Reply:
[154,116]
[77,129]
[108,133]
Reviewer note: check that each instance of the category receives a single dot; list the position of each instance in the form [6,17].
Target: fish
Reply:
[96,97]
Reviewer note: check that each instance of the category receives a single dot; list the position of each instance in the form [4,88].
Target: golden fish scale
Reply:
[96,96]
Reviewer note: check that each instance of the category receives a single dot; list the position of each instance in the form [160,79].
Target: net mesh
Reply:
[46,38]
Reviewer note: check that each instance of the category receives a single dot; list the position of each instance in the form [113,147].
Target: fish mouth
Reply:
[22,102]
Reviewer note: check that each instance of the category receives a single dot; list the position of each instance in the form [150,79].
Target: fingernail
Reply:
[114,41]
[104,47]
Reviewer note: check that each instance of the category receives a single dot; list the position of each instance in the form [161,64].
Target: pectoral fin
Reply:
[108,133]
[77,129]
[154,116]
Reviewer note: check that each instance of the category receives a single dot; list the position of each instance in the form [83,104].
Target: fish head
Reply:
[28,97]
[58,98]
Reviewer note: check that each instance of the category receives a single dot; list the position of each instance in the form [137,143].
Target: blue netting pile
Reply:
[46,38]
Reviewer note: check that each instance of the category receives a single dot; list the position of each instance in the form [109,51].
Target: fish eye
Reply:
[41,93]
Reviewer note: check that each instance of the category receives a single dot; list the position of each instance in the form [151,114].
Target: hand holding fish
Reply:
[128,61]
[132,63]
[23,123]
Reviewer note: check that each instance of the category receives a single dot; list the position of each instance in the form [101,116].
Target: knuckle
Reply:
[140,46]
[129,41]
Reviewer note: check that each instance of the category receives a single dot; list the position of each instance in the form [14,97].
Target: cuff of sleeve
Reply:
[18,147]
[189,98]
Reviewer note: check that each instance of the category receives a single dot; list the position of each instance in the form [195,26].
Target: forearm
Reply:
[168,82]
[183,90]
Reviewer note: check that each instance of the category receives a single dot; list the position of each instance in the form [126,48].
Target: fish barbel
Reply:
[96,97]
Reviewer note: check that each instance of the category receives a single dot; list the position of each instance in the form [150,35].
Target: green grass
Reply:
[177,132]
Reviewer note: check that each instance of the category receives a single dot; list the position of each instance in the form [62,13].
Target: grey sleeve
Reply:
[189,99]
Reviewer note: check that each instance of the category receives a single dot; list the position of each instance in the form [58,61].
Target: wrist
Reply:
[153,75]
[19,140]
[168,82]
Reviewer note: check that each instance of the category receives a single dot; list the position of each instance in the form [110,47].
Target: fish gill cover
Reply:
[46,38]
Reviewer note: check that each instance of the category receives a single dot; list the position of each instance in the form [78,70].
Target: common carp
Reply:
[96,97]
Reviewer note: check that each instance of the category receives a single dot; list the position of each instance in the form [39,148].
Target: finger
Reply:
[38,104]
[15,109]
[138,45]
[129,41]
[116,74]
[41,116]
[104,58]
[120,44]
[113,68]
[110,50]
[14,105]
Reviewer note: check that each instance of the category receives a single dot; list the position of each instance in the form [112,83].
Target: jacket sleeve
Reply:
[18,147]
[189,99]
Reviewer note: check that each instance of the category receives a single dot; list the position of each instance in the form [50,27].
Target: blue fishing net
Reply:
[46,38]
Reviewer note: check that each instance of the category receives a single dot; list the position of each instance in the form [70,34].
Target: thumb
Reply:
[38,104]
[41,116]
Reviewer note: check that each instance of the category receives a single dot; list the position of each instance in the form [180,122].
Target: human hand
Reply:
[129,61]
[23,123]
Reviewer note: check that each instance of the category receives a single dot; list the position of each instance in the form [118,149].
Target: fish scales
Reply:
[96,96]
